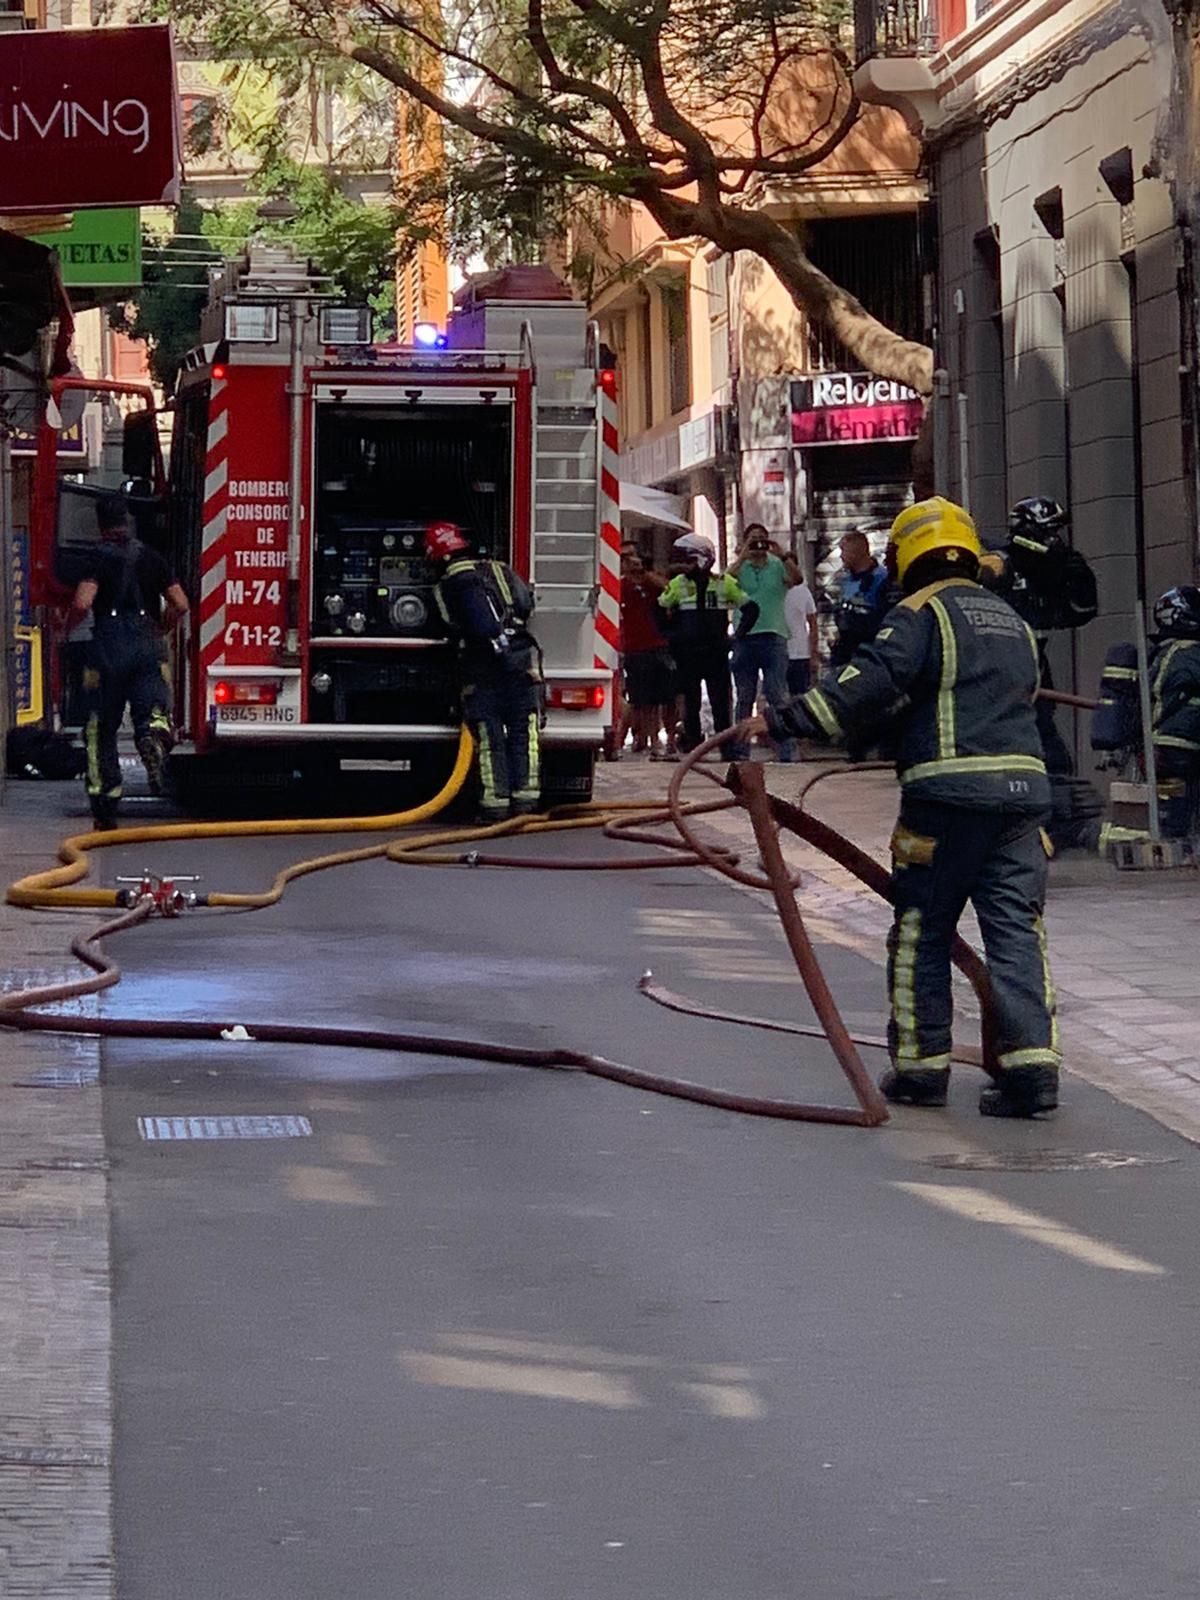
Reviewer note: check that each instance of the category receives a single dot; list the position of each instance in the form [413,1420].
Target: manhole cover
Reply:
[1046,1161]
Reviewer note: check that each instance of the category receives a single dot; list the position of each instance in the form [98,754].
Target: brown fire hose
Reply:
[1062,698]
[15,1013]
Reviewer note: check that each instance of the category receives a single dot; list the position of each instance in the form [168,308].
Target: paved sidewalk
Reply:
[1122,944]
[55,1418]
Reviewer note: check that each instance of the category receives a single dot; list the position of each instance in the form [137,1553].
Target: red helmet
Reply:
[443,540]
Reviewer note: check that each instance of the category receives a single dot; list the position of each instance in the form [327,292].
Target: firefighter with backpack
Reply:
[1052,587]
[1174,672]
[487,607]
[1175,708]
[133,598]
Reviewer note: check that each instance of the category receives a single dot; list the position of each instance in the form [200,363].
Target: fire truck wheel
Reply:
[567,776]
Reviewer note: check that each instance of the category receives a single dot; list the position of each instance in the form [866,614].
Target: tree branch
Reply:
[669,120]
[534,103]
[562,82]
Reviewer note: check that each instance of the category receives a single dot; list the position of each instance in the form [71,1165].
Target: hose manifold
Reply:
[162,894]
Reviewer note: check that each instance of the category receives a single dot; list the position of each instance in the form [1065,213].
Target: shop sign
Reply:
[697,442]
[655,461]
[685,448]
[72,442]
[27,640]
[101,249]
[88,117]
[853,408]
[27,675]
[18,567]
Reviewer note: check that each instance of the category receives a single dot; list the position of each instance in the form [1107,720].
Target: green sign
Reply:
[101,249]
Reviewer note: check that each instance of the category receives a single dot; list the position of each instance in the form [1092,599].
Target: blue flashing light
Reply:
[429,336]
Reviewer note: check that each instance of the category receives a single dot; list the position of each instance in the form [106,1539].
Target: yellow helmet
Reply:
[934,524]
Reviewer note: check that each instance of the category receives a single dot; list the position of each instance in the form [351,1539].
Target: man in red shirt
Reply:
[649,670]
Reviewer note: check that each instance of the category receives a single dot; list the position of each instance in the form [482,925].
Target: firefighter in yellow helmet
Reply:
[954,671]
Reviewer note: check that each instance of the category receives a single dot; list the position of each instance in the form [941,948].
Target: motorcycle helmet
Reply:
[1177,613]
[695,547]
[1038,516]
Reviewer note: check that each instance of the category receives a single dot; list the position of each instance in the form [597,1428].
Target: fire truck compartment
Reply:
[371,687]
[383,473]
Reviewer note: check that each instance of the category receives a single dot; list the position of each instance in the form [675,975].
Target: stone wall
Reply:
[1049,381]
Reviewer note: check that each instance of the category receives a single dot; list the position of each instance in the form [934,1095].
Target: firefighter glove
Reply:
[789,721]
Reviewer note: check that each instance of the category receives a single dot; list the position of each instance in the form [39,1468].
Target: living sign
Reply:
[853,408]
[88,118]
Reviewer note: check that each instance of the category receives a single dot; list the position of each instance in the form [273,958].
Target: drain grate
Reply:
[1046,1161]
[179,1128]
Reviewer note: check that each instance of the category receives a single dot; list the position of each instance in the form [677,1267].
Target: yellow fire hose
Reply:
[50,888]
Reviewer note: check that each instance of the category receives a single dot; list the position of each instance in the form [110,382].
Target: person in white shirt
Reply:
[800,613]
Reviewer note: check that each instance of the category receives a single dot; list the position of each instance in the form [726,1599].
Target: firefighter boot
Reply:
[104,813]
[918,1086]
[1021,1092]
[152,747]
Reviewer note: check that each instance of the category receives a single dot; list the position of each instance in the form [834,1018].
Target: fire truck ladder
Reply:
[565,486]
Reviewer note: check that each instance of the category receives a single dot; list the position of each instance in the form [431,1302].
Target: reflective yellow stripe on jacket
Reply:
[945,702]
[967,764]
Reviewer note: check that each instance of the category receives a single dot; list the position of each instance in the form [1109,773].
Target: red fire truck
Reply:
[305,465]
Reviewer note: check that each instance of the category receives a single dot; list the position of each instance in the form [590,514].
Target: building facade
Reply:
[730,399]
[1064,295]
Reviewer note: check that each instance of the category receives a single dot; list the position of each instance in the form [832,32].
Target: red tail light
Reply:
[608,380]
[245,694]
[576,696]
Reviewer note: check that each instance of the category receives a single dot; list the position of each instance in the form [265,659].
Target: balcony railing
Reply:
[894,28]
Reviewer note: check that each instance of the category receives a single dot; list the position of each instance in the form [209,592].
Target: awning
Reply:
[32,295]
[639,504]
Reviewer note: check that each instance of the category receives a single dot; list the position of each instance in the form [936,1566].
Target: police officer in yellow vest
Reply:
[955,671]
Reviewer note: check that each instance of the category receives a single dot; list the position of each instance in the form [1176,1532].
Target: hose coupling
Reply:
[471,859]
[163,895]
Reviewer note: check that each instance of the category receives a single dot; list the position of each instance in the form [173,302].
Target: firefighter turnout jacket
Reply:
[479,600]
[1175,697]
[955,669]
[486,605]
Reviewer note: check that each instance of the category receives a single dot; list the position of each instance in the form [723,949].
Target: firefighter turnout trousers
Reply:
[503,711]
[943,856]
[1178,791]
[125,667]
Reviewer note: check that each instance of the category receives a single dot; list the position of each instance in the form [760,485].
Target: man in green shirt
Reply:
[766,574]
[697,602]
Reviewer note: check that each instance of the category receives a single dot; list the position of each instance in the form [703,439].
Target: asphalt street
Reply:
[486,1333]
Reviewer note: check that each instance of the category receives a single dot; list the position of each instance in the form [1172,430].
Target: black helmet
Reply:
[1037,516]
[1177,613]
